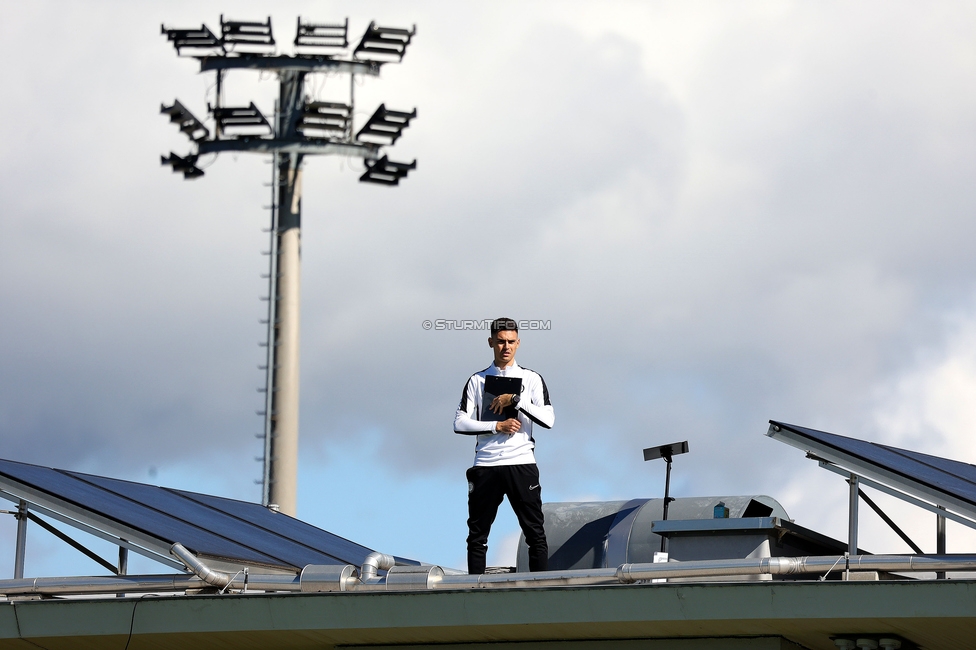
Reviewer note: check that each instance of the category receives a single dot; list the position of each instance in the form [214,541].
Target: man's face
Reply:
[504,344]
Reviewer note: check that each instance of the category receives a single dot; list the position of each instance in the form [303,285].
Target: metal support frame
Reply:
[20,551]
[73,543]
[941,513]
[935,509]
[36,505]
[305,63]
[311,146]
[123,568]
[24,515]
[269,363]
[891,524]
[667,500]
[940,540]
[852,516]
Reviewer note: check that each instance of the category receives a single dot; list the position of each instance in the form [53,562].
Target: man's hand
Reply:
[500,403]
[509,426]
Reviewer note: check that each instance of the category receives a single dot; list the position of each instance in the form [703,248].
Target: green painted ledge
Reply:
[936,615]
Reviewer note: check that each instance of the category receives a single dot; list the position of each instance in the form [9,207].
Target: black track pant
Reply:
[486,487]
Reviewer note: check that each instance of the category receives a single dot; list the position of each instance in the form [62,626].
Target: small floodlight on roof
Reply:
[201,38]
[334,35]
[189,124]
[384,43]
[329,117]
[248,33]
[666,452]
[386,172]
[246,120]
[187,165]
[385,125]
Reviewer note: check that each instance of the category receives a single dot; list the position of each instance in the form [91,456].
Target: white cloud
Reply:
[931,405]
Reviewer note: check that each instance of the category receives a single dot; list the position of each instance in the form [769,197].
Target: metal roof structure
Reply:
[148,520]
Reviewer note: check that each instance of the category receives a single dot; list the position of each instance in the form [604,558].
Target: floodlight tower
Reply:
[301,127]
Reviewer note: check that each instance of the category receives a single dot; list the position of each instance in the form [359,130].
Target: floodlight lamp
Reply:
[246,120]
[384,43]
[187,165]
[246,33]
[334,35]
[385,125]
[189,124]
[386,172]
[328,117]
[201,38]
[666,451]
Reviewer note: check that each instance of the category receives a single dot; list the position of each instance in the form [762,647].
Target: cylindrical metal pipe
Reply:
[205,573]
[413,578]
[328,577]
[283,443]
[241,580]
[266,582]
[283,472]
[569,577]
[376,561]
[914,563]
[630,573]
[98,585]
[705,568]
[139,584]
[342,577]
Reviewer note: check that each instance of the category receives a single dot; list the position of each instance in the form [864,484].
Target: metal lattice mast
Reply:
[301,127]
[269,366]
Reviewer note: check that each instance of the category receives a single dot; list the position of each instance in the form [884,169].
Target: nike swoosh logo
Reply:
[532,487]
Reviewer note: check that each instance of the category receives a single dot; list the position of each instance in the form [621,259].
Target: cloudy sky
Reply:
[728,212]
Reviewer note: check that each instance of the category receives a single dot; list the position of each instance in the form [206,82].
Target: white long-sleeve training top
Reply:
[493,448]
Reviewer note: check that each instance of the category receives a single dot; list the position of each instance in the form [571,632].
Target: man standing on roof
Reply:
[504,462]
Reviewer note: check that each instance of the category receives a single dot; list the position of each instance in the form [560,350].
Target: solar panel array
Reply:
[210,526]
[917,473]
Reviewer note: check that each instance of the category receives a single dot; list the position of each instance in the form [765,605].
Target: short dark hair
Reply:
[503,325]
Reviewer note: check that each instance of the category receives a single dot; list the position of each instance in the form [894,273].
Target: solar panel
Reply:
[229,532]
[943,481]
[295,529]
[197,520]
